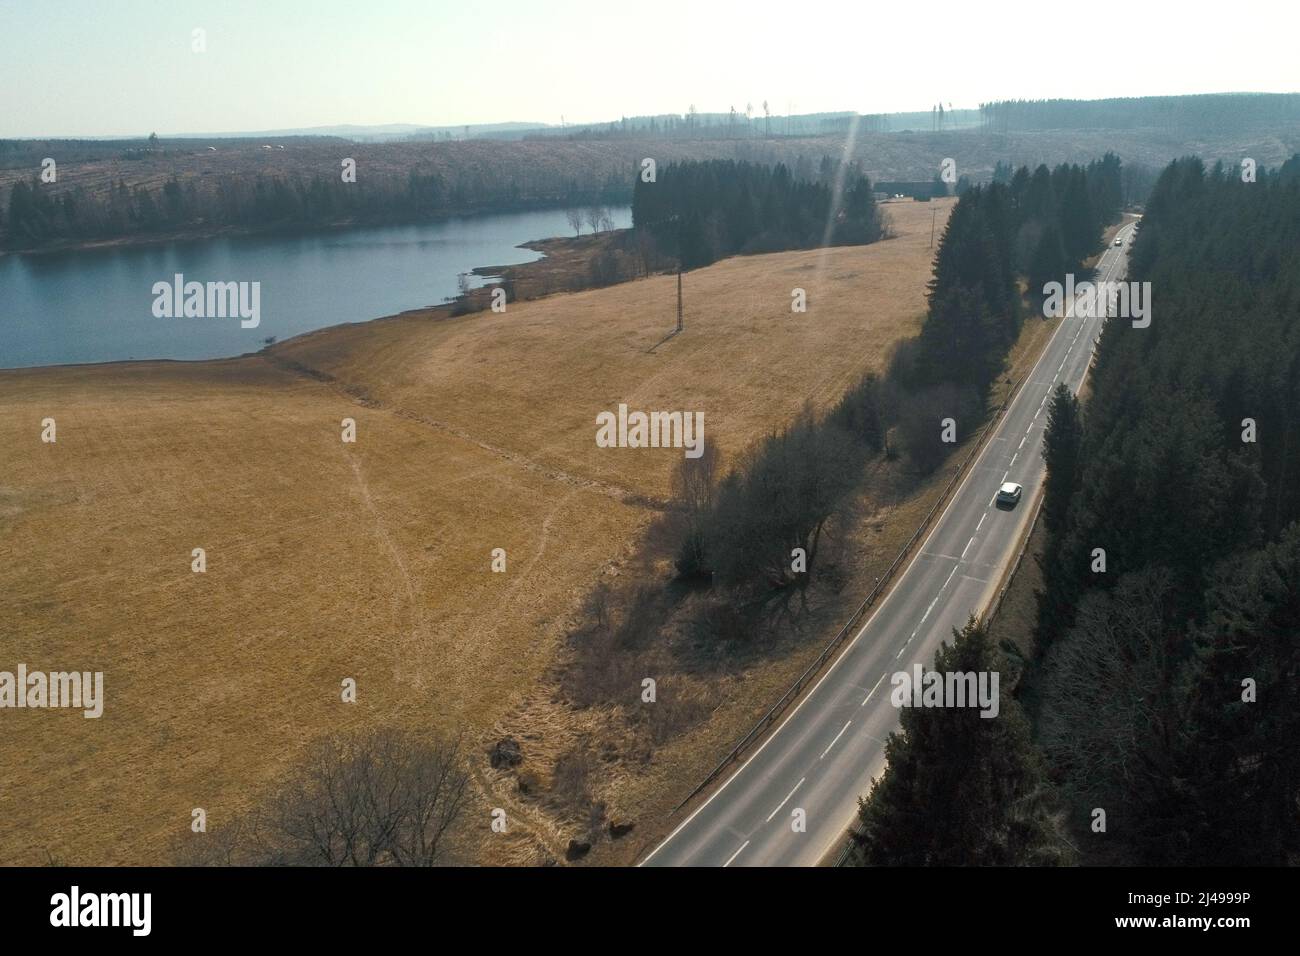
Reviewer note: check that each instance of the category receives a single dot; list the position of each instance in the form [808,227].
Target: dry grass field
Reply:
[370,560]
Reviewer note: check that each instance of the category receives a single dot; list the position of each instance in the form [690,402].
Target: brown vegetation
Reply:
[372,560]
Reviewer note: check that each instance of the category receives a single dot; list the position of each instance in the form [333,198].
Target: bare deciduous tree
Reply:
[694,482]
[574,215]
[384,798]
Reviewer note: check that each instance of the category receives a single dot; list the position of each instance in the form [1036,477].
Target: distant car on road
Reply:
[1119,241]
[1009,493]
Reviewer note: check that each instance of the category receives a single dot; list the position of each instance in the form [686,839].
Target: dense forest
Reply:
[1163,690]
[140,189]
[1184,651]
[1039,225]
[36,215]
[699,212]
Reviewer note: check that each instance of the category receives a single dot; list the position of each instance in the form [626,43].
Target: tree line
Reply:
[1219,112]
[39,213]
[1181,470]
[699,212]
[734,124]
[740,529]
[1162,694]
[1040,225]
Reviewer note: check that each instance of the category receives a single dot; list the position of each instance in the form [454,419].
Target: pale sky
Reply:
[81,67]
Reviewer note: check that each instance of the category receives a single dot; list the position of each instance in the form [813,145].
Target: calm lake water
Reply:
[97,305]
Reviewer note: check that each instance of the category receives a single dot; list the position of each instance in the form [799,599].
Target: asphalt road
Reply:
[824,753]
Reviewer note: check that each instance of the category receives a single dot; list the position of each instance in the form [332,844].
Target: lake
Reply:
[99,305]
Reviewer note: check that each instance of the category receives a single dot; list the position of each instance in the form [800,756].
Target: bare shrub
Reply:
[694,485]
[382,798]
[680,706]
[920,423]
[719,622]
[613,646]
[571,779]
[608,267]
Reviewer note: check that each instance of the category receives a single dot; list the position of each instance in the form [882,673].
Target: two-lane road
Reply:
[824,753]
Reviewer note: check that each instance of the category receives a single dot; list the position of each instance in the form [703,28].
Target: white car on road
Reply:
[1009,493]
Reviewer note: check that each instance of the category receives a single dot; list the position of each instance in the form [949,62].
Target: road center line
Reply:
[836,740]
[782,803]
[734,855]
[930,608]
[870,692]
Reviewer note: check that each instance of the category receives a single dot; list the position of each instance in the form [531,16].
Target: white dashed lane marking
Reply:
[836,740]
[870,692]
[786,800]
[734,855]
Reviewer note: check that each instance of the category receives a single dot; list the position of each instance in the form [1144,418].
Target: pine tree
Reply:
[1061,440]
[960,789]
[1241,761]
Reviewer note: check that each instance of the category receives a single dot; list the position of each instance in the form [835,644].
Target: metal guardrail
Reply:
[766,721]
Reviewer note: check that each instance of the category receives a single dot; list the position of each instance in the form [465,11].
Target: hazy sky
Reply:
[81,67]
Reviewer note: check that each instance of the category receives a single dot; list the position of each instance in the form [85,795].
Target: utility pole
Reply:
[933,213]
[679,296]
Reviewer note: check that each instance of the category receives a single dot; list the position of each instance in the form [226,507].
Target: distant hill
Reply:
[1213,112]
[382,133]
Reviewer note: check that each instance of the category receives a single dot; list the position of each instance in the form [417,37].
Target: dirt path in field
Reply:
[361,395]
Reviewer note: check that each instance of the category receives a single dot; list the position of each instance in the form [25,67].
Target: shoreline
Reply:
[182,235]
[565,260]
[276,229]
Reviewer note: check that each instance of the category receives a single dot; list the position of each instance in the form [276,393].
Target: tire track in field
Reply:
[360,396]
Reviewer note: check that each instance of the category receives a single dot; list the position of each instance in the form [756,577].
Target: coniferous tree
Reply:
[1061,439]
[960,789]
[1184,479]
[1240,758]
